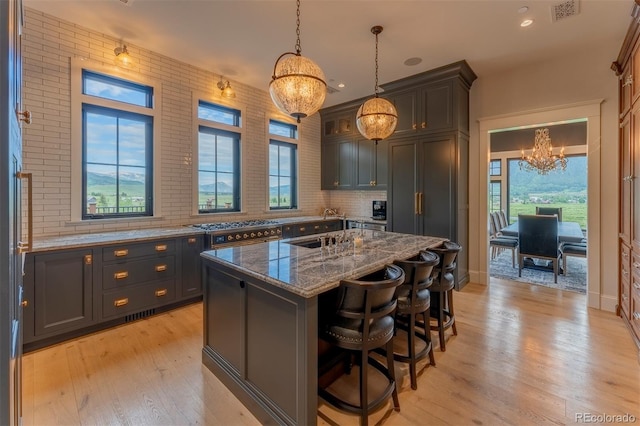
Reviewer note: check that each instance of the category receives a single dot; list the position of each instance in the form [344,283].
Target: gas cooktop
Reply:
[222,226]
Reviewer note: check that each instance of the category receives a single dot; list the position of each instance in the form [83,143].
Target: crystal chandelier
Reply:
[377,117]
[542,159]
[297,86]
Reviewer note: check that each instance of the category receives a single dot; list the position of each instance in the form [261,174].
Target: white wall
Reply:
[49,46]
[574,78]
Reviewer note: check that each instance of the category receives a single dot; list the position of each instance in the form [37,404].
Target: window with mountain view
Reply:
[117,148]
[566,189]
[218,159]
[282,165]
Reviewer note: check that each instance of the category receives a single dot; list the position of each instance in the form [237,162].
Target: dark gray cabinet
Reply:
[191,282]
[337,164]
[255,344]
[371,164]
[292,230]
[58,293]
[71,292]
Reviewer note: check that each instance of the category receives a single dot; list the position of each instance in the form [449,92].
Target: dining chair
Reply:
[538,239]
[550,211]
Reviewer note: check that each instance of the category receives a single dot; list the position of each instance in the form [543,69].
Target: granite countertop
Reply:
[311,271]
[83,240]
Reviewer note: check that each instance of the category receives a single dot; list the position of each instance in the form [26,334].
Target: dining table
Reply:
[569,232]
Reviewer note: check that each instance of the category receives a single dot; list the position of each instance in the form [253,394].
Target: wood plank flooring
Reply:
[524,355]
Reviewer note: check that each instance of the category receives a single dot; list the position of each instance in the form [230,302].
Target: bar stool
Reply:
[413,301]
[442,290]
[362,322]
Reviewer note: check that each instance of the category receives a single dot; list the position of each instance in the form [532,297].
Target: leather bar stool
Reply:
[442,290]
[414,301]
[363,321]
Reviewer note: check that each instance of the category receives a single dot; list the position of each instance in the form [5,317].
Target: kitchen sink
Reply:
[314,243]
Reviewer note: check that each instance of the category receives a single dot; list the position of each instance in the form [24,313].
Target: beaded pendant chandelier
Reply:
[298,86]
[542,159]
[377,117]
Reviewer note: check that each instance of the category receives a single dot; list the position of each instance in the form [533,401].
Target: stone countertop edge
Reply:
[44,244]
[308,272]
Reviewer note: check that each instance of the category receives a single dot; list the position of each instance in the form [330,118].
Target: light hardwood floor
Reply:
[523,355]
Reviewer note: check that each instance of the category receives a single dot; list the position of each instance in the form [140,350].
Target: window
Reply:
[218,159]
[495,198]
[494,168]
[117,148]
[282,166]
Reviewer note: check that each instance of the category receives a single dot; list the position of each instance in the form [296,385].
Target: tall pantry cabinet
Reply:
[423,165]
[627,67]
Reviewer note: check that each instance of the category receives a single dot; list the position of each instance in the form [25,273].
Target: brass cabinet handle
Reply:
[636,316]
[88,259]
[420,201]
[161,268]
[335,183]
[413,126]
[24,303]
[22,246]
[302,229]
[316,227]
[625,297]
[636,265]
[636,286]
[625,273]
[625,254]
[424,125]
[120,253]
[161,247]
[415,203]
[24,116]
[627,82]
[121,275]
[160,293]
[121,302]
[191,240]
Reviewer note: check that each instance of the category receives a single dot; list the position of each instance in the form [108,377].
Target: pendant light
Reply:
[297,86]
[377,117]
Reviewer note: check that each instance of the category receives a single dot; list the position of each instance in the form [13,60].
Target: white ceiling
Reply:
[241,39]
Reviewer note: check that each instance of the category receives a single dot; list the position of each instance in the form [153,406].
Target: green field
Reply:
[571,212]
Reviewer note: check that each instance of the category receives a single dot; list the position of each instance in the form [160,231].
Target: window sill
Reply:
[89,222]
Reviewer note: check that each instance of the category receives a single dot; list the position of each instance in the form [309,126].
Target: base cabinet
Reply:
[261,342]
[69,293]
[58,293]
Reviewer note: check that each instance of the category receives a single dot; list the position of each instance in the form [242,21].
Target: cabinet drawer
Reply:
[128,251]
[133,299]
[635,264]
[138,271]
[625,258]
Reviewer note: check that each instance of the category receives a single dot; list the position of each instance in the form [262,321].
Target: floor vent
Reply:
[564,10]
[139,315]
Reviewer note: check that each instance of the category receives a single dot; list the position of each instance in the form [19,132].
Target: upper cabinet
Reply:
[429,103]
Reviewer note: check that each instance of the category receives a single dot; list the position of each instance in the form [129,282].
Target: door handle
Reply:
[415,203]
[420,201]
[22,246]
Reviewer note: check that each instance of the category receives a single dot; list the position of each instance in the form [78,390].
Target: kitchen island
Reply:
[261,306]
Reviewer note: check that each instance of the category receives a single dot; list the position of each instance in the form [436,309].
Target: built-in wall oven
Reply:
[356,224]
[228,234]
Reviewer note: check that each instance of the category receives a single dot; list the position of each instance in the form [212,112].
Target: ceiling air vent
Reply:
[564,10]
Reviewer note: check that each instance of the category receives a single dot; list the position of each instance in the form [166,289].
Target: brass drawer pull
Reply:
[24,303]
[120,253]
[636,316]
[302,229]
[625,273]
[161,247]
[625,254]
[120,302]
[160,293]
[88,259]
[161,268]
[121,275]
[191,240]
[636,265]
[636,286]
[625,297]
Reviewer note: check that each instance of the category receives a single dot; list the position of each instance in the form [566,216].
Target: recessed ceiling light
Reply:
[523,9]
[412,61]
[341,85]
[526,22]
